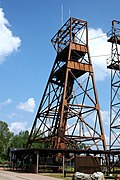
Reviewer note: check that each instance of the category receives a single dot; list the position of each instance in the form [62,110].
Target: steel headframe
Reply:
[69,113]
[114,65]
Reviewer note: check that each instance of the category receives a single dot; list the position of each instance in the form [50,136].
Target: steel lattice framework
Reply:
[114,65]
[69,113]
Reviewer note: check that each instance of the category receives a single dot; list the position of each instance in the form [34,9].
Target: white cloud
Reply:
[98,48]
[29,105]
[10,116]
[6,102]
[107,138]
[16,127]
[106,125]
[105,118]
[8,42]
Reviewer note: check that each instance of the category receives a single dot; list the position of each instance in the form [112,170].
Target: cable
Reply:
[97,37]
[100,55]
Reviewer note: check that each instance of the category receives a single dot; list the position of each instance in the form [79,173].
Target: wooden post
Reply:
[37,167]
[63,165]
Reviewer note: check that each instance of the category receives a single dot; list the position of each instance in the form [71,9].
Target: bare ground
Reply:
[10,175]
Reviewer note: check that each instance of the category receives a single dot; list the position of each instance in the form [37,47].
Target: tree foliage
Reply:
[10,140]
[5,139]
[20,140]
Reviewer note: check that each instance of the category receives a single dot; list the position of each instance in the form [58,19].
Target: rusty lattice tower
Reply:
[114,64]
[69,112]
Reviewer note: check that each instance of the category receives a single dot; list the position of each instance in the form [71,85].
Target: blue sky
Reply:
[27,55]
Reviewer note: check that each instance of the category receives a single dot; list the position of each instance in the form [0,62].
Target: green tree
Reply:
[20,140]
[5,140]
